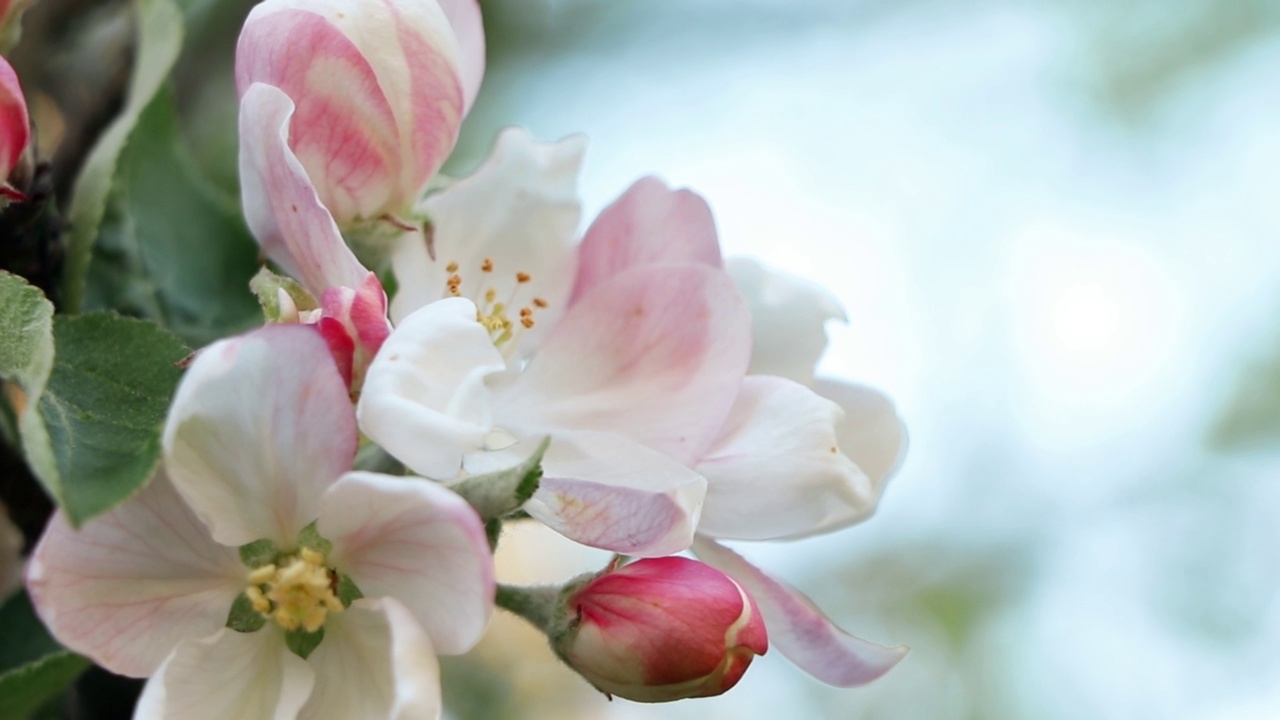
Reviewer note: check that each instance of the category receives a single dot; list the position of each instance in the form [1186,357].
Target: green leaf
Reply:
[103,410]
[498,494]
[26,342]
[1252,418]
[303,643]
[242,617]
[33,667]
[259,553]
[160,35]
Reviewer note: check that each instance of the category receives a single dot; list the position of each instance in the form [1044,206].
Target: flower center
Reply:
[299,592]
[494,314]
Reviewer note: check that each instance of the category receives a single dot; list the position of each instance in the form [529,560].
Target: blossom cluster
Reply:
[629,388]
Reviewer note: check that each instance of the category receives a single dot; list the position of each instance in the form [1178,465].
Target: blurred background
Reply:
[1054,226]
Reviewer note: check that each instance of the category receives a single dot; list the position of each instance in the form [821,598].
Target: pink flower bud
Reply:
[15,128]
[380,89]
[662,629]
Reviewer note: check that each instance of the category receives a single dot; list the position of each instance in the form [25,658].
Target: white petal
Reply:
[520,209]
[799,630]
[424,398]
[607,492]
[375,662]
[413,540]
[228,675]
[776,471]
[260,426]
[870,432]
[133,583]
[789,317]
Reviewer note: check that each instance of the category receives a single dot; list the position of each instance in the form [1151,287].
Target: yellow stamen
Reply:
[300,594]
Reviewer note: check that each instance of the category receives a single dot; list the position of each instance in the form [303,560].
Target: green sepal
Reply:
[492,532]
[303,643]
[499,494]
[243,618]
[266,286]
[259,553]
[347,591]
[310,539]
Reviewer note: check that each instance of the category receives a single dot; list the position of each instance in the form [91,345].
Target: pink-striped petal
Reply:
[650,224]
[15,126]
[375,662]
[413,540]
[281,205]
[871,433]
[607,492]
[799,629]
[656,355]
[468,28]
[229,675]
[132,584]
[425,400]
[260,427]
[777,472]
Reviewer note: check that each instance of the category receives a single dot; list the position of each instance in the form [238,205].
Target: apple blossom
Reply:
[354,581]
[660,629]
[15,129]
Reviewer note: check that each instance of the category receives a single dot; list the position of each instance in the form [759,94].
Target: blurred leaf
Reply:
[103,409]
[33,667]
[159,40]
[26,339]
[182,255]
[1252,418]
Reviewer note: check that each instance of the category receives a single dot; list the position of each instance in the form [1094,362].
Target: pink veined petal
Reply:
[655,355]
[260,426]
[375,662]
[354,324]
[520,210]
[651,224]
[280,202]
[777,472]
[344,130]
[130,585]
[608,492]
[468,27]
[871,433]
[15,126]
[789,318]
[799,629]
[228,675]
[425,399]
[413,540]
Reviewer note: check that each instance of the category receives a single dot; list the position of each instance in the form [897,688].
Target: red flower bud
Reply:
[662,629]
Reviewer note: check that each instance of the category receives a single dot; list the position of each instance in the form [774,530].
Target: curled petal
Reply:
[651,224]
[789,317]
[132,584]
[777,472]
[425,399]
[468,28]
[354,324]
[228,675]
[260,426]
[799,629]
[413,540]
[520,210]
[871,433]
[655,355]
[15,126]
[375,662]
[610,493]
[281,205]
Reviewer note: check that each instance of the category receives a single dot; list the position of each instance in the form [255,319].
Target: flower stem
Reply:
[536,604]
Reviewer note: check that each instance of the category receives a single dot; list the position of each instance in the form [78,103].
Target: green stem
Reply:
[539,605]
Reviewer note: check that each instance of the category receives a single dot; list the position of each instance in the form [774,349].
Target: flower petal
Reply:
[375,662]
[650,224]
[228,675]
[260,426]
[15,126]
[656,355]
[425,399]
[132,584]
[789,317]
[799,629]
[776,471]
[520,210]
[413,540]
[871,433]
[468,28]
[280,203]
[608,492]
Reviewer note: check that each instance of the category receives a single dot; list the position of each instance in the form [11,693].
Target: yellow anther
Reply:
[490,295]
[539,302]
[298,594]
[451,268]
[487,265]
[523,277]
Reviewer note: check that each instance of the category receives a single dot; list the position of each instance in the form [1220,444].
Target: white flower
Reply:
[258,449]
